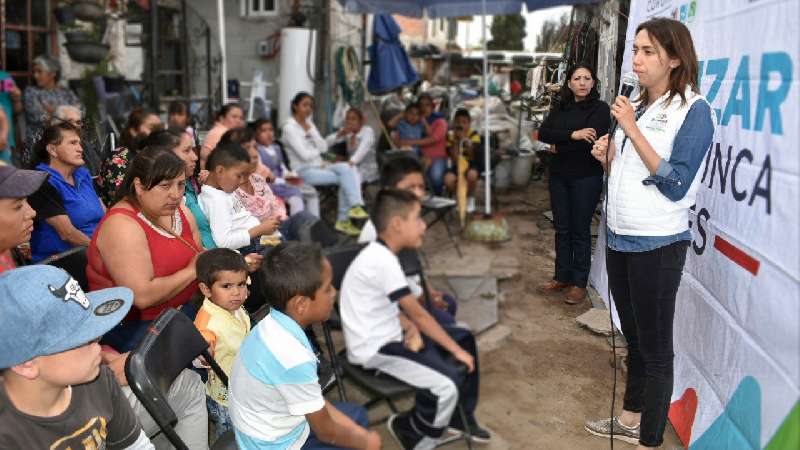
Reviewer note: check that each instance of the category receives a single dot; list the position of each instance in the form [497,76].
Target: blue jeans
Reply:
[339,174]
[219,415]
[436,173]
[574,201]
[445,316]
[351,410]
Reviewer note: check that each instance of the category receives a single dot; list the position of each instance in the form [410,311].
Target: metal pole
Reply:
[222,52]
[363,46]
[154,54]
[487,157]
[187,80]
[209,80]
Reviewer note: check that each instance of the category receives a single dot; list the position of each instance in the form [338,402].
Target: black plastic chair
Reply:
[73,261]
[378,386]
[170,345]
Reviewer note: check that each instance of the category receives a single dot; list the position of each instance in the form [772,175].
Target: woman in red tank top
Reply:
[148,243]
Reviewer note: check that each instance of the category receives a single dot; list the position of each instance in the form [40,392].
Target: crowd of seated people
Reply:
[215,230]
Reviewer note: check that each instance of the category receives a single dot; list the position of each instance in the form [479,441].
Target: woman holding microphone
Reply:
[652,163]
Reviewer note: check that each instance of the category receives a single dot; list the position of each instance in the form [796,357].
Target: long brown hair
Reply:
[675,39]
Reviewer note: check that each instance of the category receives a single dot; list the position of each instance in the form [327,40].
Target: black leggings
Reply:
[644,286]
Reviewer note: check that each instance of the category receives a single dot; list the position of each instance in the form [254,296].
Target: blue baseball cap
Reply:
[43,311]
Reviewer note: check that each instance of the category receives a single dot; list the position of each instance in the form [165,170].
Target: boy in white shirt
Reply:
[386,329]
[232,225]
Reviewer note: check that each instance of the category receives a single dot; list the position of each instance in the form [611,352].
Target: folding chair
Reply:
[73,261]
[171,344]
[380,387]
[440,207]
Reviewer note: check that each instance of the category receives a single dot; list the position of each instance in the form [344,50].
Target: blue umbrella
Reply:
[390,67]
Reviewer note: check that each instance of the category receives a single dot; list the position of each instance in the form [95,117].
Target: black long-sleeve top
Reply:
[573,158]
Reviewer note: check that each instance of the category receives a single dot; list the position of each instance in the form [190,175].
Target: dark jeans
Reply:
[356,412]
[573,201]
[644,286]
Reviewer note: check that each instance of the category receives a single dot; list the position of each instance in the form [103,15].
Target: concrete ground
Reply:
[542,375]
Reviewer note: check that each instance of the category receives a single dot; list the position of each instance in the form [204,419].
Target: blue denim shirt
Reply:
[674,177]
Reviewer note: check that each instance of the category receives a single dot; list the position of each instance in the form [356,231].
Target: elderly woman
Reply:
[74,116]
[16,216]
[42,100]
[67,206]
[147,242]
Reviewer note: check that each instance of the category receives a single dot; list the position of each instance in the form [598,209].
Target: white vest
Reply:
[638,210]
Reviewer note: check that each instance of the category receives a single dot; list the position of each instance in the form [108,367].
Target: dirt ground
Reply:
[542,382]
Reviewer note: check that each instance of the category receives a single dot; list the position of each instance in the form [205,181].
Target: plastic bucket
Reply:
[502,173]
[521,168]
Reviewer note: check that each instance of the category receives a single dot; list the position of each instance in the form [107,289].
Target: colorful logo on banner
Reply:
[686,12]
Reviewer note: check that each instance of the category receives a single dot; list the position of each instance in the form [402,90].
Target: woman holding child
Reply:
[305,146]
[148,241]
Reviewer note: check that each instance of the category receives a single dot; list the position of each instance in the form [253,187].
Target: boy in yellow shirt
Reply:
[223,321]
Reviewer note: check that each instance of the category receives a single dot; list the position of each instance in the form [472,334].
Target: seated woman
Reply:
[147,242]
[305,146]
[229,117]
[16,216]
[359,141]
[42,100]
[68,209]
[141,122]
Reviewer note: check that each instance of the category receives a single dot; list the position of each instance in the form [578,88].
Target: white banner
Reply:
[737,344]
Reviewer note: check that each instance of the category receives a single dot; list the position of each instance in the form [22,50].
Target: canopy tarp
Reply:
[451,8]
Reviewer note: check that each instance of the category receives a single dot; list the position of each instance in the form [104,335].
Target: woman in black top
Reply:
[576,178]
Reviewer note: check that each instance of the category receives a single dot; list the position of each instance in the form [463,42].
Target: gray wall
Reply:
[243,35]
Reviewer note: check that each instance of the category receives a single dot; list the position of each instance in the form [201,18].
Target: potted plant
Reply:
[89,10]
[84,37]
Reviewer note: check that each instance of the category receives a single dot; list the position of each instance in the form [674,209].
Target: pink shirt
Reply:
[213,137]
[438,149]
[263,203]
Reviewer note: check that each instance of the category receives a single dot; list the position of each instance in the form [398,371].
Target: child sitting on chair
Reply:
[406,174]
[463,141]
[54,391]
[232,225]
[275,397]
[386,329]
[223,321]
[409,126]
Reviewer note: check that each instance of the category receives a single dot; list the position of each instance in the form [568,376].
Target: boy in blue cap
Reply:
[54,391]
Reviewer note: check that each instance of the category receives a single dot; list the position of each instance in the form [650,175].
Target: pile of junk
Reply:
[519,99]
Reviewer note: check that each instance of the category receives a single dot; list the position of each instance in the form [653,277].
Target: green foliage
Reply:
[553,35]
[508,33]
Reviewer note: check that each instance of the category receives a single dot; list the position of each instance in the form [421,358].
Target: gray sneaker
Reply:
[602,428]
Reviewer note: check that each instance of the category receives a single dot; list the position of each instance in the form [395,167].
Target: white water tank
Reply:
[298,60]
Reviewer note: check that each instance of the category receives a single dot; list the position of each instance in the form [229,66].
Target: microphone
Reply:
[629,81]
